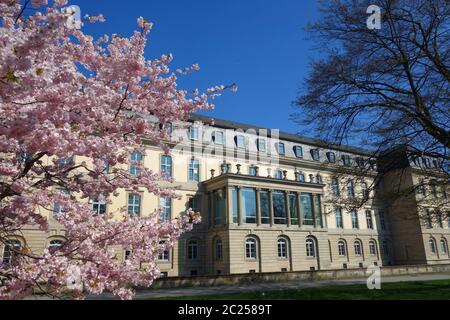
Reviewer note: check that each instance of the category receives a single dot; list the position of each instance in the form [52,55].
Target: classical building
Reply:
[276,202]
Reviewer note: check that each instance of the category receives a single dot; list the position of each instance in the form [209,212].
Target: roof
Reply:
[227,124]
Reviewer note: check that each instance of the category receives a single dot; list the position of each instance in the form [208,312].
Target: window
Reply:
[127,254]
[218,207]
[279,207]
[234,199]
[346,160]
[252,171]
[57,209]
[282,248]
[278,174]
[433,190]
[193,133]
[350,189]
[307,209]
[219,249]
[249,204]
[355,221]
[298,151]
[331,156]
[315,154]
[357,246]
[293,208]
[310,248]
[281,149]
[135,163]
[444,192]
[192,250]
[240,142]
[55,244]
[194,170]
[300,176]
[10,250]
[166,166]
[382,219]
[341,248]
[134,204]
[65,161]
[261,144]
[265,209]
[250,248]
[365,191]
[99,207]
[193,203]
[218,137]
[372,247]
[166,209]
[164,255]
[439,220]
[105,165]
[443,246]
[369,219]
[426,162]
[432,246]
[319,179]
[339,220]
[335,187]
[428,222]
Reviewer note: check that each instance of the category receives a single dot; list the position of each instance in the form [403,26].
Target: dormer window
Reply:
[261,144]
[360,162]
[331,156]
[281,149]
[426,162]
[240,141]
[193,133]
[217,137]
[346,160]
[315,154]
[298,151]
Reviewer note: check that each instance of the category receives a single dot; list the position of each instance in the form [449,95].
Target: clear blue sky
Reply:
[258,44]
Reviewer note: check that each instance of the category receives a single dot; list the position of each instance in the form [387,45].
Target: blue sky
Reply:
[258,44]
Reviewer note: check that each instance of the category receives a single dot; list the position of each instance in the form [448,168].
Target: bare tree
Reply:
[385,89]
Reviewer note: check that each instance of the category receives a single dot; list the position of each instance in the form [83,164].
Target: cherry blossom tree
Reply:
[63,97]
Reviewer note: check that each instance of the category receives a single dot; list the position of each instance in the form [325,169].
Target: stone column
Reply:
[240,207]
[230,204]
[258,207]
[272,219]
[211,211]
[288,211]
[225,210]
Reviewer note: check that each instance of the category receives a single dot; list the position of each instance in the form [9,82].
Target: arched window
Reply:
[193,250]
[341,248]
[331,156]
[135,162]
[54,244]
[218,249]
[432,245]
[166,166]
[358,250]
[444,248]
[310,248]
[372,247]
[250,248]
[281,148]
[282,248]
[10,250]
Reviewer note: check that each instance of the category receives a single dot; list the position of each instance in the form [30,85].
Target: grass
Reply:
[417,290]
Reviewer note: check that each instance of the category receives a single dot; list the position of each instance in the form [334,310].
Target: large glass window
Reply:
[250,248]
[432,245]
[279,207]
[282,248]
[234,200]
[358,249]
[339,220]
[166,209]
[369,219]
[99,207]
[194,170]
[372,247]
[135,162]
[310,248]
[218,208]
[341,248]
[134,204]
[307,209]
[355,220]
[293,208]
[265,208]
[10,250]
[318,210]
[166,166]
[249,205]
[192,250]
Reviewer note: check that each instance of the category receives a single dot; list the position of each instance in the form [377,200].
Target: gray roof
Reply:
[227,124]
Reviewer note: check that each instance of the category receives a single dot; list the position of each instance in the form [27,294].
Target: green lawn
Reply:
[433,290]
